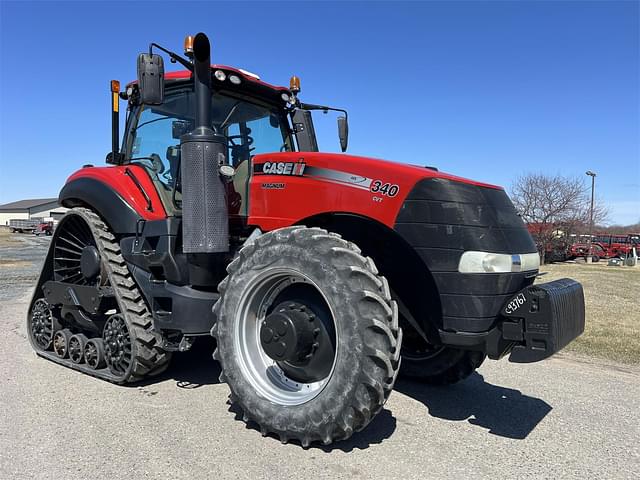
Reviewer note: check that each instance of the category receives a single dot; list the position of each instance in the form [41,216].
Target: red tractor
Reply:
[316,273]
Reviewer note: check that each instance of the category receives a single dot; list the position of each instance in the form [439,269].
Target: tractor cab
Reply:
[250,124]
[253,116]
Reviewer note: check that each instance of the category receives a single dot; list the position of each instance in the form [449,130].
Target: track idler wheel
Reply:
[42,324]
[117,345]
[94,353]
[61,342]
[76,346]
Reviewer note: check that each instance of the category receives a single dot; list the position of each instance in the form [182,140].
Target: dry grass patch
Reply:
[10,263]
[8,239]
[612,297]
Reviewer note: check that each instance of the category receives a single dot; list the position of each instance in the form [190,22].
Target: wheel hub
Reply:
[90,262]
[289,333]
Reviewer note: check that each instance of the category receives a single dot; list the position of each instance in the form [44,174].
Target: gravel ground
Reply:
[21,258]
[562,418]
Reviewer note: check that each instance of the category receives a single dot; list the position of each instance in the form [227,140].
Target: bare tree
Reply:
[551,203]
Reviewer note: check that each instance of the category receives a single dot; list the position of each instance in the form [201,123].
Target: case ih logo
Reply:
[283,168]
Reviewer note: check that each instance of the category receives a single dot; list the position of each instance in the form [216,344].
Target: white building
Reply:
[27,209]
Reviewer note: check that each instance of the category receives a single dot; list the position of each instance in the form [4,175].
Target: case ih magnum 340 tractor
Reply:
[317,273]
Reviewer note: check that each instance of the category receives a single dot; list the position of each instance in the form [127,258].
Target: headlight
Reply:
[220,75]
[486,262]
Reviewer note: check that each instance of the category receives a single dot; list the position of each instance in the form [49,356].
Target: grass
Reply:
[7,238]
[612,298]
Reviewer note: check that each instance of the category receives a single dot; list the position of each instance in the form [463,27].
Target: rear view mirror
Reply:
[343,133]
[151,78]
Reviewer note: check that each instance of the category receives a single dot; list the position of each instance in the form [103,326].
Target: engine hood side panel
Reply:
[286,187]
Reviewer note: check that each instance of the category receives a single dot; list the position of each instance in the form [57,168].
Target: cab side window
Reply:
[155,138]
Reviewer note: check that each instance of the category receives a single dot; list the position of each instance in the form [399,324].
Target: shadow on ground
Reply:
[502,411]
[194,368]
[380,428]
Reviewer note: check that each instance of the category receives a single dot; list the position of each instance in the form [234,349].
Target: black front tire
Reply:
[445,366]
[367,357]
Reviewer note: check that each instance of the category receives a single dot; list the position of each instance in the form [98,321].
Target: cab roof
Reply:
[250,83]
[244,75]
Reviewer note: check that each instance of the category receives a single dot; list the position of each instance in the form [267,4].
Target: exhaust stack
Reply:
[205,218]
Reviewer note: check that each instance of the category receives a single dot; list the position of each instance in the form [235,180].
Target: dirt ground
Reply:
[8,239]
[612,298]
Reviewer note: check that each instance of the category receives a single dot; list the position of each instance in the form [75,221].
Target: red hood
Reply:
[368,166]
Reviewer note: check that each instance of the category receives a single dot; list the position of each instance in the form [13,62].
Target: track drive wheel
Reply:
[307,335]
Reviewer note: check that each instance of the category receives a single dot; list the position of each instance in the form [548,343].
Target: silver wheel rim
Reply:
[259,369]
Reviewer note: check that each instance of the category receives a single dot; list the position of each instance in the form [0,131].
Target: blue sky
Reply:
[486,90]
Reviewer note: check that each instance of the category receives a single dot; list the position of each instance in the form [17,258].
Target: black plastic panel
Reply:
[481,283]
[472,305]
[176,307]
[441,219]
[118,214]
[462,237]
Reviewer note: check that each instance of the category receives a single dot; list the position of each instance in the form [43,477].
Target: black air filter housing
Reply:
[205,219]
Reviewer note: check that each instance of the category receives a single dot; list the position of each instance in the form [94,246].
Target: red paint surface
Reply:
[126,188]
[304,196]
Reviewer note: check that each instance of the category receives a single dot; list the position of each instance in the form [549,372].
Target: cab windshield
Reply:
[154,132]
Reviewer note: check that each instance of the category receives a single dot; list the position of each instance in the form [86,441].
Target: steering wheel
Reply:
[157,164]
[155,161]
[233,138]
[240,152]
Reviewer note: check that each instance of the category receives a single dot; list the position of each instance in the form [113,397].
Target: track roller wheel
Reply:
[307,335]
[61,342]
[94,353]
[76,347]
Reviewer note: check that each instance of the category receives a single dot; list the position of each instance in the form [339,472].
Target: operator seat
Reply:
[240,185]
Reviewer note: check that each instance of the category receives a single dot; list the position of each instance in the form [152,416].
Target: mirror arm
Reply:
[174,56]
[311,106]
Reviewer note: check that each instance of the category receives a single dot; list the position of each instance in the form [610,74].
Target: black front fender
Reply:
[101,198]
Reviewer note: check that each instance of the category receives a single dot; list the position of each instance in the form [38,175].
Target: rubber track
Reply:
[372,393]
[150,358]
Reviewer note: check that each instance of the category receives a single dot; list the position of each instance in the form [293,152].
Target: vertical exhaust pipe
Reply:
[205,218]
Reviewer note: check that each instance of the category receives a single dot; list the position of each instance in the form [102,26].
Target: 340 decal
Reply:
[391,190]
